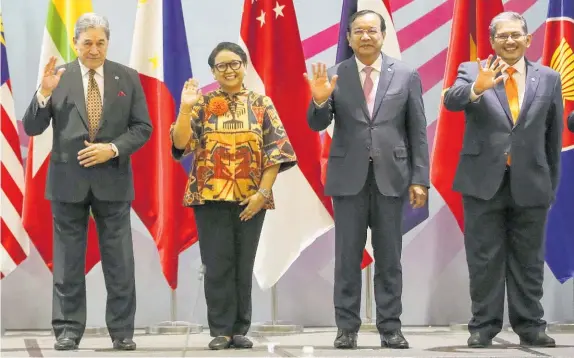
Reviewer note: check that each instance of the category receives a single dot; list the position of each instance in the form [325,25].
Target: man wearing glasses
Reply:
[508,175]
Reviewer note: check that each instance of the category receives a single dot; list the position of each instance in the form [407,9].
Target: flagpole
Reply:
[173,326]
[275,326]
[368,324]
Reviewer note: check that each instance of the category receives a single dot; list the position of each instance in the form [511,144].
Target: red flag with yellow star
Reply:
[469,39]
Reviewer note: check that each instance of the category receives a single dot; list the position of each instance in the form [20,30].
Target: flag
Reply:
[270,36]
[558,54]
[37,214]
[15,246]
[411,217]
[160,55]
[469,39]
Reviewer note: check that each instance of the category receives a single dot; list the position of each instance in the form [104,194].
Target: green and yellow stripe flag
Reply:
[37,214]
[59,31]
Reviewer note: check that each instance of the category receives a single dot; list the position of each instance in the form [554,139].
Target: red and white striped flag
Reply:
[270,36]
[15,242]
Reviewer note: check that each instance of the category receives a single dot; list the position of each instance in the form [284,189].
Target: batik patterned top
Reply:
[232,149]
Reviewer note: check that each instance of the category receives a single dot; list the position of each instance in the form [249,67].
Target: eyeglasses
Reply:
[505,37]
[361,32]
[222,66]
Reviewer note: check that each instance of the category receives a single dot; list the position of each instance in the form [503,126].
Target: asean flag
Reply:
[558,54]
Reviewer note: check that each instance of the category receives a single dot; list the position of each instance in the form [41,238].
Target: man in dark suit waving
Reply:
[508,175]
[378,156]
[99,117]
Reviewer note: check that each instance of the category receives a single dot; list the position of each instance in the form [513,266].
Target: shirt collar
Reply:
[376,65]
[519,66]
[85,70]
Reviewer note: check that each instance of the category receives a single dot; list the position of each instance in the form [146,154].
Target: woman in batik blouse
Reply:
[239,146]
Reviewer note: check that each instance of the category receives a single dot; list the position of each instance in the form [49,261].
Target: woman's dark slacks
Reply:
[227,247]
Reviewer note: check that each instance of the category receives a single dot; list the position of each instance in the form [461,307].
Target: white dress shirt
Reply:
[375,74]
[98,76]
[519,76]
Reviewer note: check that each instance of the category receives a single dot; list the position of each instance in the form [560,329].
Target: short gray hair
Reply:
[507,16]
[91,20]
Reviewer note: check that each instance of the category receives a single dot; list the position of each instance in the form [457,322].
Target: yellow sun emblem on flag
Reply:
[2,31]
[563,62]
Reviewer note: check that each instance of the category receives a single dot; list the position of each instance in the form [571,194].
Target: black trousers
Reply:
[227,247]
[504,247]
[353,215]
[116,249]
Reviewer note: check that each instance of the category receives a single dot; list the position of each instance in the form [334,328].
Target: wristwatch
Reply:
[266,193]
[114,149]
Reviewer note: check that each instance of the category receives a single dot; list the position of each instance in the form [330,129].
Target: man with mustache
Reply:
[508,175]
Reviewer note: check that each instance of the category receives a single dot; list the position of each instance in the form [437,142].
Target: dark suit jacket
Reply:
[535,142]
[395,138]
[125,122]
[571,121]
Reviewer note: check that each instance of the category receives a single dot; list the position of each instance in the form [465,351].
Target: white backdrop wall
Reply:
[434,267]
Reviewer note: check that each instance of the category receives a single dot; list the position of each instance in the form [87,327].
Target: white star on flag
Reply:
[261,18]
[278,10]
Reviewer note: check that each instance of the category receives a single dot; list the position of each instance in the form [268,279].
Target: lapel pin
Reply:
[388,69]
[533,79]
[117,78]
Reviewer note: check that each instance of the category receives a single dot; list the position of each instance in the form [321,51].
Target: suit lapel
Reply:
[532,79]
[500,91]
[111,88]
[384,81]
[351,78]
[77,91]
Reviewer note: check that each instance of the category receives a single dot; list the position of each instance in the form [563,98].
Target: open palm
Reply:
[51,78]
[321,87]
[190,93]
[486,78]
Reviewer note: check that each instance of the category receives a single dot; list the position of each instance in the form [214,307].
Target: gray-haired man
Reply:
[99,118]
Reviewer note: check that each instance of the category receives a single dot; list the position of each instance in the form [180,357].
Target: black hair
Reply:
[226,46]
[353,17]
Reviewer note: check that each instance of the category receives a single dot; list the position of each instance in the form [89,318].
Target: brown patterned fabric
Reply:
[232,150]
[93,106]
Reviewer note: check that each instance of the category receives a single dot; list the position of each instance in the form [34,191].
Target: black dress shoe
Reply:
[478,340]
[125,344]
[345,340]
[394,340]
[65,344]
[241,342]
[540,339]
[220,342]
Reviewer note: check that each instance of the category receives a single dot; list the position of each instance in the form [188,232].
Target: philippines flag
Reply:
[558,54]
[270,36]
[161,56]
[411,217]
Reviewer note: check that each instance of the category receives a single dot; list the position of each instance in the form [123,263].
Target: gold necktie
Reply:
[94,106]
[512,94]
